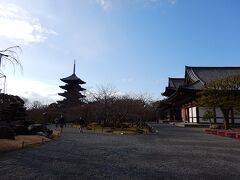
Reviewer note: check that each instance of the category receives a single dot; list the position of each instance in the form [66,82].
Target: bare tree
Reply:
[10,55]
[37,105]
[105,97]
[108,108]
[27,103]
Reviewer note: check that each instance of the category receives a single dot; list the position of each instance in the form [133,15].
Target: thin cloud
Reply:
[33,90]
[172,2]
[126,80]
[105,4]
[108,4]
[18,24]
[152,3]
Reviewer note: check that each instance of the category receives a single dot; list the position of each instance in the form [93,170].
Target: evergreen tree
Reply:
[223,93]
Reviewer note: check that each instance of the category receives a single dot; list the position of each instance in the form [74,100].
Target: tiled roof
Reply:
[175,82]
[207,74]
[73,77]
[68,87]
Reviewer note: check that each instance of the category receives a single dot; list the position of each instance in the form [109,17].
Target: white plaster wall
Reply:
[194,110]
[201,120]
[236,116]
[237,121]
[219,115]
[201,111]
[190,114]
[219,120]
[219,112]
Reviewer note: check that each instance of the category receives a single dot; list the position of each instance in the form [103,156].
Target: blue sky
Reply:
[133,45]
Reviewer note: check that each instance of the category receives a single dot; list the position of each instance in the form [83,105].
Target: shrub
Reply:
[28,123]
[215,126]
[89,128]
[6,132]
[35,128]
[49,132]
[140,131]
[21,130]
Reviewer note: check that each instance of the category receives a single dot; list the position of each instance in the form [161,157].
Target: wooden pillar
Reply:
[187,114]
[191,106]
[214,114]
[183,113]
[197,114]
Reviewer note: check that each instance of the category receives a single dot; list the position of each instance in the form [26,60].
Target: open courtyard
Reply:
[170,153]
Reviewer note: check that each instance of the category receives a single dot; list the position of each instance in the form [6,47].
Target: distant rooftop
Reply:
[175,82]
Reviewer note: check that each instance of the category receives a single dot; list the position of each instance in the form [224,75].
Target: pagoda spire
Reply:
[74,66]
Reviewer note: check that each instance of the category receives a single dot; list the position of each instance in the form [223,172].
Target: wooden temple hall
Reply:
[181,95]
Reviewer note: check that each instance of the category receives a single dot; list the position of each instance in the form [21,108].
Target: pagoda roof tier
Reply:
[73,78]
[67,102]
[60,101]
[68,95]
[69,87]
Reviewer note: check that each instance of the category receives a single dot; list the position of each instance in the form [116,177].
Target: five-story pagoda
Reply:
[72,94]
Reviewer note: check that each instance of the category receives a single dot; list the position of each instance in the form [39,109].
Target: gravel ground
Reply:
[171,153]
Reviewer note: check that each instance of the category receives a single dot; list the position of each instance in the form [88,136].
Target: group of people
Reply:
[61,122]
[81,124]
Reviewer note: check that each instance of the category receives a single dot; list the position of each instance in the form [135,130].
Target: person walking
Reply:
[61,122]
[81,124]
[56,122]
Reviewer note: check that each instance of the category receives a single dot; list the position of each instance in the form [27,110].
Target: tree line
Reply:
[105,107]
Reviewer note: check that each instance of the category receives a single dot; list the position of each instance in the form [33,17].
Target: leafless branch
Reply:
[11,55]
